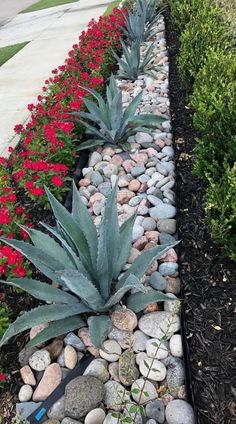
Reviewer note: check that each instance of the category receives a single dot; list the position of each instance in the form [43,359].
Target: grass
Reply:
[111,6]
[45,4]
[9,51]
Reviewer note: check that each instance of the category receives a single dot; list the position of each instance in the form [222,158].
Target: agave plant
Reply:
[135,28]
[115,124]
[86,265]
[150,9]
[131,65]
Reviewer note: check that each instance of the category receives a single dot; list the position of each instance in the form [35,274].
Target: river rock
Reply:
[96,416]
[156,411]
[166,238]
[157,349]
[24,409]
[98,368]
[176,348]
[157,281]
[127,368]
[147,391]
[143,138]
[173,285]
[115,395]
[124,319]
[162,211]
[40,360]
[110,351]
[27,375]
[113,369]
[57,410]
[83,394]
[158,324]
[140,340]
[179,412]
[94,159]
[167,226]
[153,369]
[70,356]
[124,338]
[68,420]
[25,354]
[72,340]
[175,375]
[55,348]
[25,393]
[168,268]
[51,379]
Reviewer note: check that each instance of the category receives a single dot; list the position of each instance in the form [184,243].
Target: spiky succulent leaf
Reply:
[144,260]
[149,120]
[42,291]
[56,328]
[90,144]
[139,301]
[42,314]
[99,328]
[83,288]
[132,282]
[125,245]
[45,263]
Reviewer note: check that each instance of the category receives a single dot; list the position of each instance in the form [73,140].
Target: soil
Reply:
[208,279]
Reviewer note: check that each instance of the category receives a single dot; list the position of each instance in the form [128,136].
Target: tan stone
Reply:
[140,243]
[124,196]
[84,182]
[55,348]
[51,379]
[27,375]
[134,185]
[70,356]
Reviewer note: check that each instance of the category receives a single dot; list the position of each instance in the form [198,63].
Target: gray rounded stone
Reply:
[142,386]
[175,374]
[68,420]
[40,360]
[140,340]
[157,281]
[98,368]
[158,324]
[167,226]
[25,354]
[179,412]
[114,393]
[156,411]
[82,395]
[168,268]
[57,410]
[96,178]
[165,238]
[94,159]
[163,211]
[72,340]
[105,189]
[149,224]
[138,170]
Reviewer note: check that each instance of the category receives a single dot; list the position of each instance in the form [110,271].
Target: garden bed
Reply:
[208,279]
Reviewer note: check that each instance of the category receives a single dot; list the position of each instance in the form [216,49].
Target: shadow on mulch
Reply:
[209,281]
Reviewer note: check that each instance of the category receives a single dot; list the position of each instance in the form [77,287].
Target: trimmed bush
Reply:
[182,12]
[206,29]
[221,210]
[214,96]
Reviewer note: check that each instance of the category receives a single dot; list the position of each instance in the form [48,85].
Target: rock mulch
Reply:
[141,361]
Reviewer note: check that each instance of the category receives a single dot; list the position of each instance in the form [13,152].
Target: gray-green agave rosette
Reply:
[107,122]
[86,264]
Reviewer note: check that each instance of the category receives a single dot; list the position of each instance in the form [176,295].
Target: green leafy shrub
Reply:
[221,210]
[214,96]
[206,29]
[4,318]
[112,124]
[86,265]
[183,10]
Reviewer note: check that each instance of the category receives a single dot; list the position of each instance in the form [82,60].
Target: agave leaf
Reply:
[129,113]
[143,261]
[148,119]
[92,130]
[132,282]
[102,263]
[78,264]
[90,144]
[45,263]
[84,219]
[83,288]
[41,291]
[96,113]
[138,301]
[56,328]
[49,246]
[99,328]
[72,229]
[125,245]
[42,314]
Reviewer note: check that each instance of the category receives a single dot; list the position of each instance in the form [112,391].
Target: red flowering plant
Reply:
[47,142]
[12,213]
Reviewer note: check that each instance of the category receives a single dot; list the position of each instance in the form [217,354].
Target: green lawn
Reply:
[45,4]
[111,6]
[9,51]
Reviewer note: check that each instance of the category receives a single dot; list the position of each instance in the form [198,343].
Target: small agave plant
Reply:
[131,65]
[86,265]
[114,124]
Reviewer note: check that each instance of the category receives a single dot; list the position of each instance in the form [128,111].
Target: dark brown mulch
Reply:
[209,281]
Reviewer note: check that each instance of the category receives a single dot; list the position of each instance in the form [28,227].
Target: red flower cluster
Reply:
[48,145]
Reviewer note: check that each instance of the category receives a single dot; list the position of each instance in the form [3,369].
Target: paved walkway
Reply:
[51,33]
[10,8]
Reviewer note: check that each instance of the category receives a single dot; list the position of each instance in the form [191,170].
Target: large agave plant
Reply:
[86,265]
[150,9]
[114,124]
[131,65]
[135,28]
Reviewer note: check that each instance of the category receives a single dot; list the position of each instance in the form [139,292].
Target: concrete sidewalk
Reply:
[51,33]
[10,8]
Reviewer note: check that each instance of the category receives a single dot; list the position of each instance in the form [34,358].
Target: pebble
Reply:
[25,393]
[72,340]
[68,420]
[55,348]
[110,170]
[172,306]
[166,238]
[40,360]
[175,374]
[134,185]
[115,395]
[158,324]
[70,356]
[110,419]
[137,232]
[124,338]
[24,409]
[83,334]
[124,319]
[168,268]
[179,412]
[95,157]
[157,281]
[149,224]
[143,138]
[51,379]
[51,421]
[157,349]
[25,354]
[110,351]
[113,369]
[127,368]
[83,394]
[146,391]
[140,340]
[61,359]
[27,375]
[124,196]
[96,178]
[162,211]
[173,285]
[167,226]
[98,368]
[154,200]
[168,151]
[153,369]
[105,189]
[170,256]
[156,410]
[96,416]
[176,348]
[140,356]
[57,410]
[138,170]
